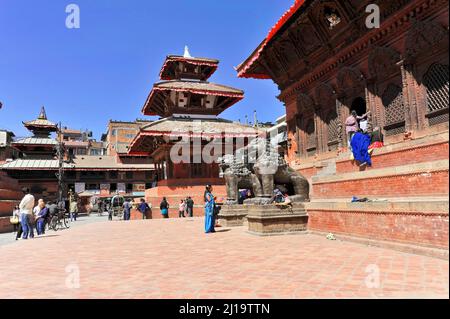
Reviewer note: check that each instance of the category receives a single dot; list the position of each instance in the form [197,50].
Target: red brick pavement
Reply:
[174,259]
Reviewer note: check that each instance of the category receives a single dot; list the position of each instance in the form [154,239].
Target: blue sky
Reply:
[106,69]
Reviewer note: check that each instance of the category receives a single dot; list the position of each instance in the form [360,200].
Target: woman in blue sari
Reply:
[209,210]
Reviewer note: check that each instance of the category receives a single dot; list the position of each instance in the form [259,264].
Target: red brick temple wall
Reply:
[407,227]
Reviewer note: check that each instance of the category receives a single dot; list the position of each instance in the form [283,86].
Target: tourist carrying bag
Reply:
[14,220]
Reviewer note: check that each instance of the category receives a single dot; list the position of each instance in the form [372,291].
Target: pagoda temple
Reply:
[92,175]
[188,106]
[40,145]
[37,158]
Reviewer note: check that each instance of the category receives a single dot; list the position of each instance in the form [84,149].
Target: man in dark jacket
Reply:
[143,208]
[190,207]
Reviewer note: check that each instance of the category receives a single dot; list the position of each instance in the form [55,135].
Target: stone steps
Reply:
[392,157]
[420,150]
[421,179]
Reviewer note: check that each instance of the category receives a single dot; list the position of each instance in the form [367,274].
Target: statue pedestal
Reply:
[271,220]
[233,215]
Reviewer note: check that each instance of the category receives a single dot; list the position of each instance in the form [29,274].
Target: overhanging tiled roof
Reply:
[33,164]
[172,59]
[79,163]
[189,127]
[41,123]
[195,87]
[106,163]
[198,87]
[35,141]
[215,126]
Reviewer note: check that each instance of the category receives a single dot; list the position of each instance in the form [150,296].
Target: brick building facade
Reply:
[86,172]
[327,63]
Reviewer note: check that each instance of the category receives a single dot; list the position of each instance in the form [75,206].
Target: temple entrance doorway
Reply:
[359,105]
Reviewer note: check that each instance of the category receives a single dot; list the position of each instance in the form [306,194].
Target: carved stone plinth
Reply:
[274,220]
[233,215]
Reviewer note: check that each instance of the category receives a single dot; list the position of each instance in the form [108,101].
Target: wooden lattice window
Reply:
[437,84]
[394,106]
[311,141]
[333,130]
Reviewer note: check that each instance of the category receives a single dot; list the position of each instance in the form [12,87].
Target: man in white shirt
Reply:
[26,215]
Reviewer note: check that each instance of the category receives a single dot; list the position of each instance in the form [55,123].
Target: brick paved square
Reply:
[175,259]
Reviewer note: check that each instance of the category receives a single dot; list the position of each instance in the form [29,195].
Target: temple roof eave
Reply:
[245,69]
[177,128]
[41,124]
[87,163]
[203,62]
[201,88]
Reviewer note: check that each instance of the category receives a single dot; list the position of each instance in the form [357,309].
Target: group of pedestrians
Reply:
[28,217]
[186,208]
[144,208]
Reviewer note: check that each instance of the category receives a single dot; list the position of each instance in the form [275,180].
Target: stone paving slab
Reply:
[9,238]
[175,259]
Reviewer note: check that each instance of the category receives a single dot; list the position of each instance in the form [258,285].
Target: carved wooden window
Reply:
[196,101]
[437,84]
[333,130]
[394,106]
[311,141]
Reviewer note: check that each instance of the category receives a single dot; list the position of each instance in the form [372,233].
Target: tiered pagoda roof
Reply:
[184,89]
[184,97]
[38,149]
[179,67]
[168,98]
[41,128]
[189,106]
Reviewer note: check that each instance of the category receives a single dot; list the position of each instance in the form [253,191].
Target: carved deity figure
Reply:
[333,19]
